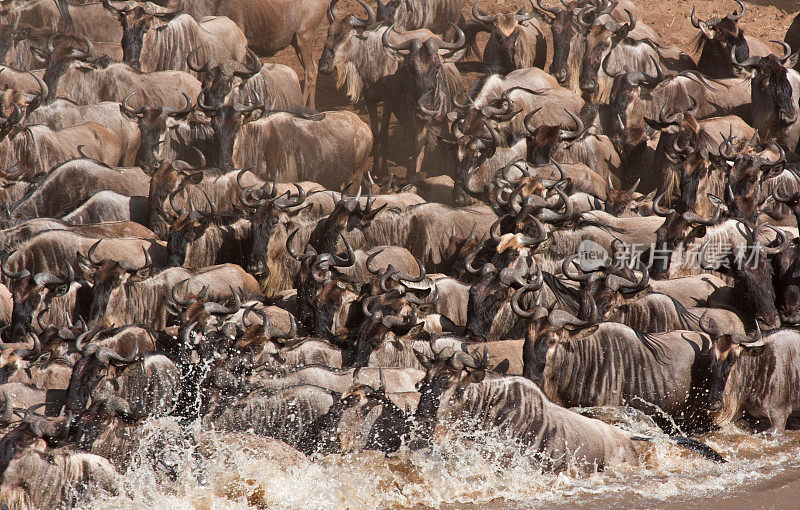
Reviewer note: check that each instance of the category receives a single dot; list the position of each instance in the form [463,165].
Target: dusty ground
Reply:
[765,19]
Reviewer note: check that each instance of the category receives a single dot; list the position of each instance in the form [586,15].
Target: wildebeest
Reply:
[762,385]
[682,373]
[272,25]
[793,35]
[71,183]
[76,75]
[422,91]
[457,392]
[515,40]
[149,46]
[775,93]
[330,148]
[718,38]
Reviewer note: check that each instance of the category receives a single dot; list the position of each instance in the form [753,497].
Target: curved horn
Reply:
[400,47]
[13,276]
[191,62]
[787,51]
[517,296]
[657,210]
[565,134]
[782,236]
[127,109]
[737,16]
[550,10]
[526,16]
[693,19]
[371,256]
[482,17]
[370,14]
[566,271]
[174,293]
[455,45]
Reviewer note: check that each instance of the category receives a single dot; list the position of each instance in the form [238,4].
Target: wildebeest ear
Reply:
[417,330]
[194,178]
[85,264]
[423,359]
[475,376]
[38,54]
[583,333]
[792,61]
[502,367]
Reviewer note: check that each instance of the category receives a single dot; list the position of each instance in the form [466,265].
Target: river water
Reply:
[223,470]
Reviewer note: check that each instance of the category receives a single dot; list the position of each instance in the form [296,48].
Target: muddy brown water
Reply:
[762,471]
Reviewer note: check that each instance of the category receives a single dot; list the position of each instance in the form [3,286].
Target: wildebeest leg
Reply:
[420,139]
[541,51]
[303,44]
[777,419]
[377,146]
[384,139]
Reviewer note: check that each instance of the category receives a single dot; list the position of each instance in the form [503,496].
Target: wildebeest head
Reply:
[269,210]
[218,78]
[255,336]
[168,180]
[31,294]
[97,363]
[747,172]
[338,44]
[136,20]
[714,362]
[504,27]
[226,121]
[608,287]
[348,214]
[547,331]
[676,231]
[618,201]
[392,308]
[543,141]
[424,64]
[187,228]
[395,312]
[457,250]
[316,271]
[62,51]
[448,371]
[753,289]
[717,39]
[600,41]
[472,150]
[494,297]
[107,412]
[32,429]
[110,278]
[567,37]
[153,122]
[630,93]
[771,91]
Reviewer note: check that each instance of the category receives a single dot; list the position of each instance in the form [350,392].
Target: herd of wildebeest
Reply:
[186,238]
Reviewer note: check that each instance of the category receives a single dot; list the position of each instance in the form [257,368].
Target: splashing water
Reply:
[210,470]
